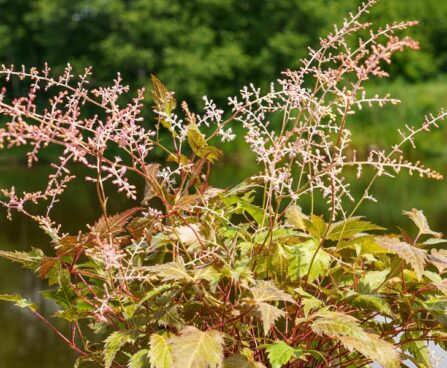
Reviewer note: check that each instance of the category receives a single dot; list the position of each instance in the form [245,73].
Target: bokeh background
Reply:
[213,48]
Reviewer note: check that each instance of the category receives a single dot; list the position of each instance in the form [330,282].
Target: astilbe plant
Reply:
[195,276]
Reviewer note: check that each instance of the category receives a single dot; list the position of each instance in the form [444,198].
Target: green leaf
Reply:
[348,331]
[308,301]
[140,359]
[154,292]
[316,226]
[199,145]
[30,260]
[169,316]
[437,306]
[160,351]
[279,353]
[364,244]
[415,257]
[300,257]
[210,153]
[350,227]
[197,349]
[19,301]
[113,344]
[164,100]
[242,204]
[209,274]
[418,349]
[373,302]
[372,280]
[196,139]
[171,271]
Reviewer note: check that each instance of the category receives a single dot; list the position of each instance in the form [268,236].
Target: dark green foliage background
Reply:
[200,47]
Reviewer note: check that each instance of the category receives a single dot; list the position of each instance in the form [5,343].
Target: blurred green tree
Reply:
[200,46]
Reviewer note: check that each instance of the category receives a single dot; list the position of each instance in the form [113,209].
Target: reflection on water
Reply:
[26,342]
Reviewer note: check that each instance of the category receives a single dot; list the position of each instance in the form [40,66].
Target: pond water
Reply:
[27,343]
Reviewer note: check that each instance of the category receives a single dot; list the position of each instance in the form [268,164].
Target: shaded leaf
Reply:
[113,344]
[140,359]
[152,186]
[241,361]
[373,302]
[418,349]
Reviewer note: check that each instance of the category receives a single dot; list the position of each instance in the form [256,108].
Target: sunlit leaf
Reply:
[266,291]
[300,257]
[113,225]
[197,349]
[279,353]
[372,280]
[438,258]
[269,315]
[418,217]
[30,260]
[140,359]
[295,217]
[348,331]
[171,271]
[350,227]
[160,351]
[164,100]
[316,226]
[415,257]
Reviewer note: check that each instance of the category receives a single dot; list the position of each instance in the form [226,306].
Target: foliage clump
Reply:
[195,276]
